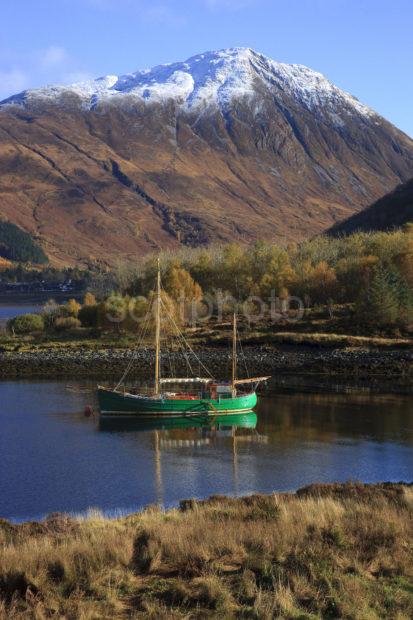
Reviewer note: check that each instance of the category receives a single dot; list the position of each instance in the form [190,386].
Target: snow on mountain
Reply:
[212,78]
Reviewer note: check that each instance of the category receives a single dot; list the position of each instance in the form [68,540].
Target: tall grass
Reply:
[335,551]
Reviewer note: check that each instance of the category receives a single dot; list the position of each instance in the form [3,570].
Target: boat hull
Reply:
[117,404]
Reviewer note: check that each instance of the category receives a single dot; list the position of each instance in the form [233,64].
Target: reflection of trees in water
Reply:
[290,417]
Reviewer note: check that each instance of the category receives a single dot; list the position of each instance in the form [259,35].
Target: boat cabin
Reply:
[221,390]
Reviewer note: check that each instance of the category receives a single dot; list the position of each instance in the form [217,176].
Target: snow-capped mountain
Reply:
[212,78]
[226,145]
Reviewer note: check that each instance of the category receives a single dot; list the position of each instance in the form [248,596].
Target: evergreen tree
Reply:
[379,304]
[405,298]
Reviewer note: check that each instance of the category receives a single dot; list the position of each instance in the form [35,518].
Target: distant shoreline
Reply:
[31,298]
[79,361]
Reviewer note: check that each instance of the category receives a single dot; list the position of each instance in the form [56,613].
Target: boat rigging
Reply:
[211,398]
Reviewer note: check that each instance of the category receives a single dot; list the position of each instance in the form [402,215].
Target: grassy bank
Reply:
[328,551]
[199,338]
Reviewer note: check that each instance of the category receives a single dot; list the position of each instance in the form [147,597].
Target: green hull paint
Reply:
[116,404]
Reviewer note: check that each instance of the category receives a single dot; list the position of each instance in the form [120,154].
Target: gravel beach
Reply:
[84,362]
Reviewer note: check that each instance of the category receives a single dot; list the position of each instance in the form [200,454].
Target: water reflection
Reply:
[325,417]
[190,432]
[192,422]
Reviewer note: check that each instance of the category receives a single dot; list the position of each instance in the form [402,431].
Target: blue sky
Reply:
[363,46]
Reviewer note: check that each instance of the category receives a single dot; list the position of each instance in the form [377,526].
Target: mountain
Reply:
[391,211]
[227,145]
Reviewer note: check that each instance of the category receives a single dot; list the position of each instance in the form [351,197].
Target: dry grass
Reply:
[308,339]
[329,551]
[307,333]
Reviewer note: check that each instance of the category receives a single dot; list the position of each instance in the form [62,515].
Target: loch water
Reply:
[53,458]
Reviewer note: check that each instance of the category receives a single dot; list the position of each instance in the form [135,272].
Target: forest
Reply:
[360,284]
[370,275]
[18,245]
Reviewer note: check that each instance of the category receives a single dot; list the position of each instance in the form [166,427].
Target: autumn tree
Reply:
[271,270]
[71,308]
[179,284]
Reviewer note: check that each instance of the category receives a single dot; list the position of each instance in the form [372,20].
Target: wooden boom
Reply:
[253,380]
[185,380]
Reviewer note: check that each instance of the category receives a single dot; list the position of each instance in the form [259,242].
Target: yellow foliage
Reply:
[89,299]
[180,285]
[72,307]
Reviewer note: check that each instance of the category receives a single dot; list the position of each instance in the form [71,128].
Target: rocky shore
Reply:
[288,359]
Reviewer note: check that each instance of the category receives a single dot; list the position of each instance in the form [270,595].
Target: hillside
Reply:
[391,211]
[228,145]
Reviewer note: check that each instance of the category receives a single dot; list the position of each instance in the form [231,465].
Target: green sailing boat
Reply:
[203,396]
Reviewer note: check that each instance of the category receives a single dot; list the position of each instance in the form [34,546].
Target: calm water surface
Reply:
[10,310]
[55,459]
[14,304]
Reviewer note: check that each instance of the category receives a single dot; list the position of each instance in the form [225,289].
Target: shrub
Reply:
[89,315]
[146,555]
[26,323]
[64,323]
[50,313]
[89,299]
[71,308]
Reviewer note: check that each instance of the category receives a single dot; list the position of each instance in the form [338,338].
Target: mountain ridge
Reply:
[109,181]
[391,211]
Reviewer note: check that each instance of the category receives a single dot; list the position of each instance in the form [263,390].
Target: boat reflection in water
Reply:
[205,422]
[191,432]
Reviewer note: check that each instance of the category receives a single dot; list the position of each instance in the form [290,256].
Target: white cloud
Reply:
[12,81]
[50,65]
[52,56]
[74,77]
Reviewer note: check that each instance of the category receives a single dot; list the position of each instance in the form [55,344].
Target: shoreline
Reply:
[340,490]
[362,363]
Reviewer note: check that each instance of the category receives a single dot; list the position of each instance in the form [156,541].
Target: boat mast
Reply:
[158,328]
[234,351]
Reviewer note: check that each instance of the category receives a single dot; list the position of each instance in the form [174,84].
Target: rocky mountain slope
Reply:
[228,145]
[391,211]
